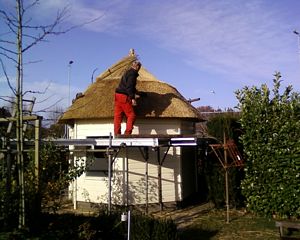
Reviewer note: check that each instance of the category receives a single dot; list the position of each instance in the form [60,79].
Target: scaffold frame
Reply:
[143,143]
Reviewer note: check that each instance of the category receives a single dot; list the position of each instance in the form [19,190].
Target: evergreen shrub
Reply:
[271,123]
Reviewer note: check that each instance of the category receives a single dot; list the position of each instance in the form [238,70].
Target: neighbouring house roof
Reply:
[161,100]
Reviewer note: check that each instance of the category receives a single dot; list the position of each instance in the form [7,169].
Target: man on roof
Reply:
[125,99]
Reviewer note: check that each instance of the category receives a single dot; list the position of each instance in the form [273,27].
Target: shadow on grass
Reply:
[197,234]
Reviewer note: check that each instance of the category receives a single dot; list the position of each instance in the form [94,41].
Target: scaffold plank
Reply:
[133,142]
[138,142]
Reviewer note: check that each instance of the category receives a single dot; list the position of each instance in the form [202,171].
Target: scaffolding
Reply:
[143,143]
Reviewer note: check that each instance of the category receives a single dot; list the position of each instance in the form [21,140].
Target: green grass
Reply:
[204,224]
[212,226]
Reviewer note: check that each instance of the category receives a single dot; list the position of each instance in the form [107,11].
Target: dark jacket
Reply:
[128,83]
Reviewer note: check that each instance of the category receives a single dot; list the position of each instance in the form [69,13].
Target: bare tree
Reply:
[21,36]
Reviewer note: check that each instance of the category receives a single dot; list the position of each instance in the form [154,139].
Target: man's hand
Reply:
[133,102]
[140,94]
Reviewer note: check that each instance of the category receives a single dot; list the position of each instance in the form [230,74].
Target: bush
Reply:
[104,226]
[43,193]
[271,139]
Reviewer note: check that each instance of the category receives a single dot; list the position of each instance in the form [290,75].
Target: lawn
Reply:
[207,223]
[212,225]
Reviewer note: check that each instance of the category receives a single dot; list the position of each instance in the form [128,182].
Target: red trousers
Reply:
[123,106]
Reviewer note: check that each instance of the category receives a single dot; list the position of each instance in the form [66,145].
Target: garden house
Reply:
[156,164]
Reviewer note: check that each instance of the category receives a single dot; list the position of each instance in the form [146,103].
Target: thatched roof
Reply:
[161,101]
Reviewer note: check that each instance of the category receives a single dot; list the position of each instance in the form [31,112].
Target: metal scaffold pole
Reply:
[109,171]
[147,177]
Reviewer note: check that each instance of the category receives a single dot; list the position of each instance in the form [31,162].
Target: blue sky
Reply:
[204,48]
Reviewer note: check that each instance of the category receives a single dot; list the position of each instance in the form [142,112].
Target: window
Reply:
[96,161]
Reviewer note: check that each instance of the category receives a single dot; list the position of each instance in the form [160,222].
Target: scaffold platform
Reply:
[132,140]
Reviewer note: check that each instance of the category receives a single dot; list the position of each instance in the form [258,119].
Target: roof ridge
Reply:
[124,64]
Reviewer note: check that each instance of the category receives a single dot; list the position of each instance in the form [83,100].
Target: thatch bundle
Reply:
[161,100]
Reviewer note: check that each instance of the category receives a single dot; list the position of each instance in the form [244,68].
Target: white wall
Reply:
[95,188]
[141,126]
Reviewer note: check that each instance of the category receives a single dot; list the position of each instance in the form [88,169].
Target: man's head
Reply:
[136,65]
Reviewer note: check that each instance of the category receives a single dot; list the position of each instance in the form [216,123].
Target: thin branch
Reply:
[58,19]
[44,110]
[31,5]
[10,21]
[11,28]
[39,27]
[4,98]
[27,22]
[5,15]
[85,23]
[8,57]
[29,36]
[7,42]
[32,62]
[37,92]
[47,30]
[46,99]
[8,50]
[7,78]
